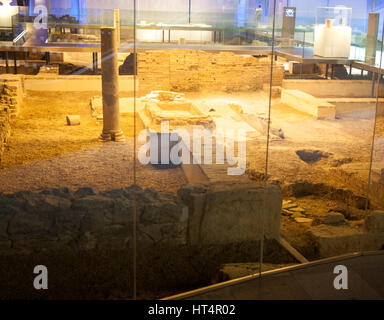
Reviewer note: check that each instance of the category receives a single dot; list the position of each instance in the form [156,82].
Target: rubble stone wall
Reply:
[85,239]
[5,128]
[194,70]
[11,96]
[87,219]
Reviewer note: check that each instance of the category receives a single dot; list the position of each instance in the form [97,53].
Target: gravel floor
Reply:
[106,166]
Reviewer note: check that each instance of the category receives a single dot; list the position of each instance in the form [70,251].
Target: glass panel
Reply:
[69,195]
[326,112]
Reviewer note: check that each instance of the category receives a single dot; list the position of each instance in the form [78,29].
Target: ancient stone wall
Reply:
[194,70]
[11,95]
[85,238]
[86,219]
[5,128]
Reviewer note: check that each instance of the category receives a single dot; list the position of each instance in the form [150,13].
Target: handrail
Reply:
[20,36]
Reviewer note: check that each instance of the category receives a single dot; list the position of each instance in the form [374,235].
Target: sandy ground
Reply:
[380,125]
[106,166]
[341,138]
[40,133]
[43,152]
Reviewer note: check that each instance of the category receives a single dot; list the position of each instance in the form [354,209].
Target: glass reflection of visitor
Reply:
[258,15]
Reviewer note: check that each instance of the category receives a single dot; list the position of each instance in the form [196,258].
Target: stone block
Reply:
[233,212]
[51,203]
[334,218]
[73,120]
[307,103]
[334,240]
[86,191]
[374,222]
[93,203]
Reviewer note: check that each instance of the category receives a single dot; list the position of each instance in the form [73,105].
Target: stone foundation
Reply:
[159,106]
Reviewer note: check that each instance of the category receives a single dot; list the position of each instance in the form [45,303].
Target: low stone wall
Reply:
[194,70]
[333,88]
[88,219]
[85,238]
[73,83]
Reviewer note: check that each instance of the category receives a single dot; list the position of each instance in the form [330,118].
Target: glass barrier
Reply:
[323,162]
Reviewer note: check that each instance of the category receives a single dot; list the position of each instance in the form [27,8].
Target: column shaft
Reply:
[110,86]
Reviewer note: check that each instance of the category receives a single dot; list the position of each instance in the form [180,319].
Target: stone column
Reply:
[110,87]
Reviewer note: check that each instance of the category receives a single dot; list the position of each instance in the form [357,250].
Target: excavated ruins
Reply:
[196,223]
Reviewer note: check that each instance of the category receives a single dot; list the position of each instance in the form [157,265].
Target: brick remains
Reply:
[194,70]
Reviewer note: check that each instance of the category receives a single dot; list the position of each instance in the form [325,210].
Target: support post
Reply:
[93,62]
[110,87]
[373,84]
[6,62]
[371,42]
[15,63]
[189,11]
[288,27]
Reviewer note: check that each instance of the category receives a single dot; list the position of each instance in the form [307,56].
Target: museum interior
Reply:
[191,149]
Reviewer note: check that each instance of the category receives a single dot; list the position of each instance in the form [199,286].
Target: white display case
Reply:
[6,13]
[160,32]
[333,32]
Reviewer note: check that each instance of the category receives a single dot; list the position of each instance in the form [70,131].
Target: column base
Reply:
[112,136]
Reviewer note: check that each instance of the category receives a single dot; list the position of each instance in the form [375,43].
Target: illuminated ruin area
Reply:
[276,150]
